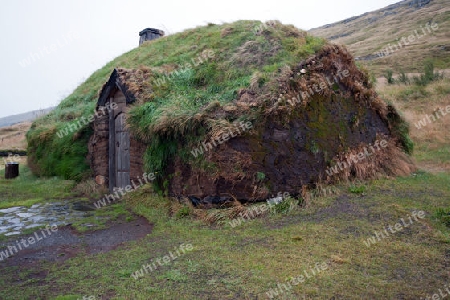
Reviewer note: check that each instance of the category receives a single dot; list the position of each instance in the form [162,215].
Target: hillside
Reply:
[370,36]
[25,117]
[13,137]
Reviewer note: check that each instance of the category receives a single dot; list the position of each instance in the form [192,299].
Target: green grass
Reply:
[247,261]
[99,218]
[443,214]
[27,189]
[438,155]
[357,189]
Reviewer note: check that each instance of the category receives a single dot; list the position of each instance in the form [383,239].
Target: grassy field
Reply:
[28,189]
[13,137]
[328,234]
[247,261]
[384,239]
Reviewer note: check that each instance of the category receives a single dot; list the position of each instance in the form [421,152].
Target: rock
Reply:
[15,219]
[10,210]
[100,180]
[12,233]
[82,206]
[195,201]
[24,215]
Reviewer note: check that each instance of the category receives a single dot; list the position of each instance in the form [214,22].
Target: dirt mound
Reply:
[311,130]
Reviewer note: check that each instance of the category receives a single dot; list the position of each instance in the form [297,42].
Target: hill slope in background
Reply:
[379,32]
[28,116]
[13,137]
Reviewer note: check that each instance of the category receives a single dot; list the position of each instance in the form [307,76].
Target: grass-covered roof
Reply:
[176,80]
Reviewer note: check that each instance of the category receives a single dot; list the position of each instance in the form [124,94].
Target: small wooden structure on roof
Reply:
[149,34]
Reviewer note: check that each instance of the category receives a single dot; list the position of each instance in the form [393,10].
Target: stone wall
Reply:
[98,149]
[137,150]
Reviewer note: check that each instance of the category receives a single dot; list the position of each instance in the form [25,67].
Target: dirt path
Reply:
[66,242]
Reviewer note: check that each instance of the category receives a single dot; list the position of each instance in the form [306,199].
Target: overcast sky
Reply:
[49,47]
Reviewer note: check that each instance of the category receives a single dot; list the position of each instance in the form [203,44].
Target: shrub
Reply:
[260,176]
[355,189]
[443,215]
[403,78]
[389,77]
[286,206]
[428,75]
[185,211]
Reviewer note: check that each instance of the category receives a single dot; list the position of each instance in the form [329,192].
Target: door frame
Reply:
[119,98]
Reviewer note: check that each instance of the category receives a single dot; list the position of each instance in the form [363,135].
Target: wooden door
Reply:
[122,152]
[119,144]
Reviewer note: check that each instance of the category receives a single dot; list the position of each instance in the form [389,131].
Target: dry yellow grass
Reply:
[372,32]
[431,141]
[13,137]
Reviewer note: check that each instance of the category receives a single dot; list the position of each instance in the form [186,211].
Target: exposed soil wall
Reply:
[290,155]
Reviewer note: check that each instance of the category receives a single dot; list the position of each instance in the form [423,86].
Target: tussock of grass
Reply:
[443,214]
[89,188]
